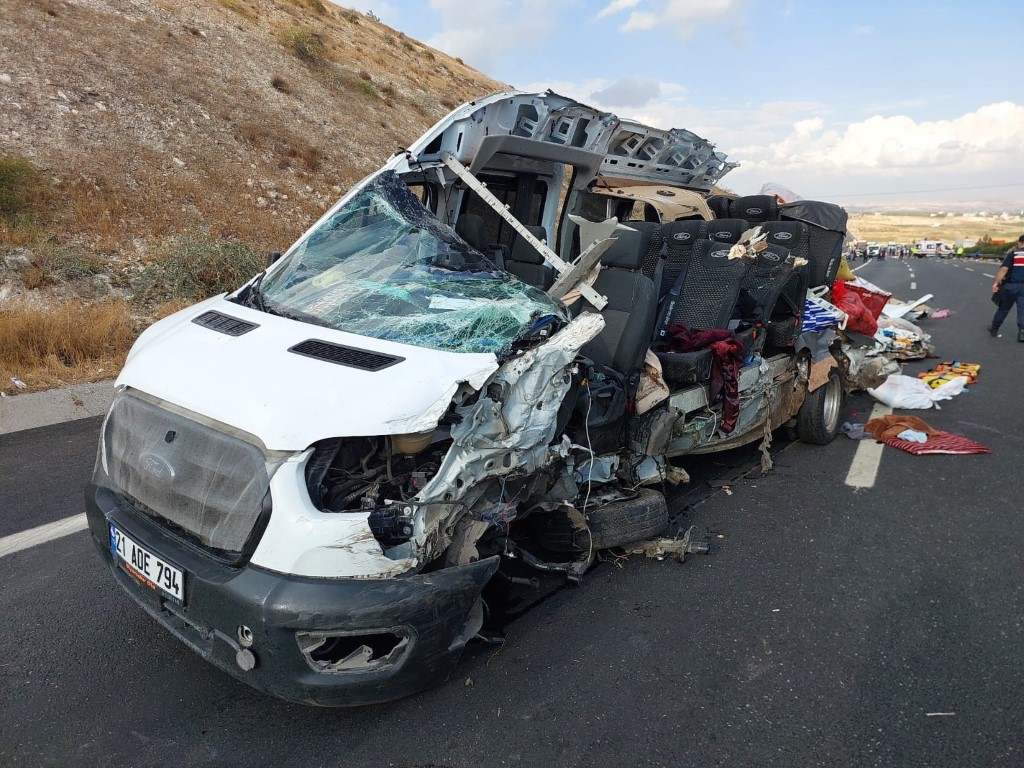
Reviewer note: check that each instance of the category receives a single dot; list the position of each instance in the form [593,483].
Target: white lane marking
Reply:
[858,269]
[968,269]
[913,285]
[42,534]
[869,455]
[986,274]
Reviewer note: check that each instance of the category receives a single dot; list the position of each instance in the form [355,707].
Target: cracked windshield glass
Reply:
[383,266]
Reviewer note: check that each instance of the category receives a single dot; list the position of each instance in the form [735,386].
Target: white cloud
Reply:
[684,16]
[981,147]
[628,92]
[816,151]
[482,31]
[616,6]
[862,30]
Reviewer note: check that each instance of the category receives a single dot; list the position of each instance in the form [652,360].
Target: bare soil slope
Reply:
[165,126]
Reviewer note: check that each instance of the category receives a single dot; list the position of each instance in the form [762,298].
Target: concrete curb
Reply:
[55,406]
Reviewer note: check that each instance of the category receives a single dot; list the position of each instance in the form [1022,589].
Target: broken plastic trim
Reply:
[348,652]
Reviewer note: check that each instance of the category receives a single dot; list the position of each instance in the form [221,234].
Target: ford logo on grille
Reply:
[783,235]
[681,236]
[754,211]
[156,466]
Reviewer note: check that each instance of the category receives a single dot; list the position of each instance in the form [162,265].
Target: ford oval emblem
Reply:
[719,254]
[769,256]
[681,236]
[783,235]
[156,466]
[722,235]
[754,211]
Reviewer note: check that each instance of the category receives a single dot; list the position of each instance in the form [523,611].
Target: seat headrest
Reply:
[470,228]
[785,233]
[626,252]
[523,252]
[727,230]
[755,208]
[775,255]
[680,235]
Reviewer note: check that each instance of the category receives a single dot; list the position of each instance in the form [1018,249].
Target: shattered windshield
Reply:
[383,266]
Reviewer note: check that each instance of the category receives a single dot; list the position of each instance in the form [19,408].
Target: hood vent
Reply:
[216,321]
[342,355]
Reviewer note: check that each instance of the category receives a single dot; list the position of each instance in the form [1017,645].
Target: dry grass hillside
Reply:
[886,227]
[152,150]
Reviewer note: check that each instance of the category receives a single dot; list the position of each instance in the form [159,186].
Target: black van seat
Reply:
[680,239]
[756,209]
[793,235]
[630,313]
[766,277]
[826,224]
[727,230]
[651,245]
[719,205]
[786,318]
[470,228]
[703,298]
[527,264]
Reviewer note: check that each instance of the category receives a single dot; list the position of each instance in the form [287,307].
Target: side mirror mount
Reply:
[272,257]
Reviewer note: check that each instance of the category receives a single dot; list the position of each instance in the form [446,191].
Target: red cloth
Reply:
[944,442]
[725,366]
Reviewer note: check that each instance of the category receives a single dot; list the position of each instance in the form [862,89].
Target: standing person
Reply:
[1013,292]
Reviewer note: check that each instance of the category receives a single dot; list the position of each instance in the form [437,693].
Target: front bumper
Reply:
[428,614]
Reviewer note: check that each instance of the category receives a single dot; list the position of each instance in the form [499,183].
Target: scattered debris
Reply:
[942,314]
[900,391]
[18,382]
[660,549]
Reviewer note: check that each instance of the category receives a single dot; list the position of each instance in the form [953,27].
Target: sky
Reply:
[867,104]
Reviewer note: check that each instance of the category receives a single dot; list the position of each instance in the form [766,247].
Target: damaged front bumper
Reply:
[327,642]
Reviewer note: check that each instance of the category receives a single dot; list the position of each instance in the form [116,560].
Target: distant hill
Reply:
[241,117]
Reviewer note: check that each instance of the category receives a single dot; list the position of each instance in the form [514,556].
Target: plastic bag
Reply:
[859,317]
[901,391]
[820,314]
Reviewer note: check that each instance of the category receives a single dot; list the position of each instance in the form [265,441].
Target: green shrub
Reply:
[53,263]
[304,43]
[317,6]
[23,191]
[193,267]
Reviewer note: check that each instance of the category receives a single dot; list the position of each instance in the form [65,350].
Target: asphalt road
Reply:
[824,628]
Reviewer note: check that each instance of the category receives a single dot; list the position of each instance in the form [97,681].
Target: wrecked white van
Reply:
[479,363]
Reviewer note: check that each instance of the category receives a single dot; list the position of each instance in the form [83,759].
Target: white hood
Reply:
[252,382]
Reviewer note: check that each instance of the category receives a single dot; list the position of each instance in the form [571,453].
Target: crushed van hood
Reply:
[287,400]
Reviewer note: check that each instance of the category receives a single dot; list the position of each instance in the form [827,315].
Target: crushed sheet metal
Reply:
[497,437]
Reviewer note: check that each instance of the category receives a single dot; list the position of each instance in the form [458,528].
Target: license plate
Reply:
[150,570]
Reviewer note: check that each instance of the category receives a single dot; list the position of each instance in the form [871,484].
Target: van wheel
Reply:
[618,522]
[817,421]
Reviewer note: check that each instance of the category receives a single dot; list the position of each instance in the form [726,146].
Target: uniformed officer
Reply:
[1013,291]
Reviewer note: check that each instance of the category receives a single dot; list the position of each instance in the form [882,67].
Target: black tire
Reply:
[611,525]
[817,421]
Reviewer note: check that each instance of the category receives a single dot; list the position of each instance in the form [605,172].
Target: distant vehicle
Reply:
[933,248]
[874,251]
